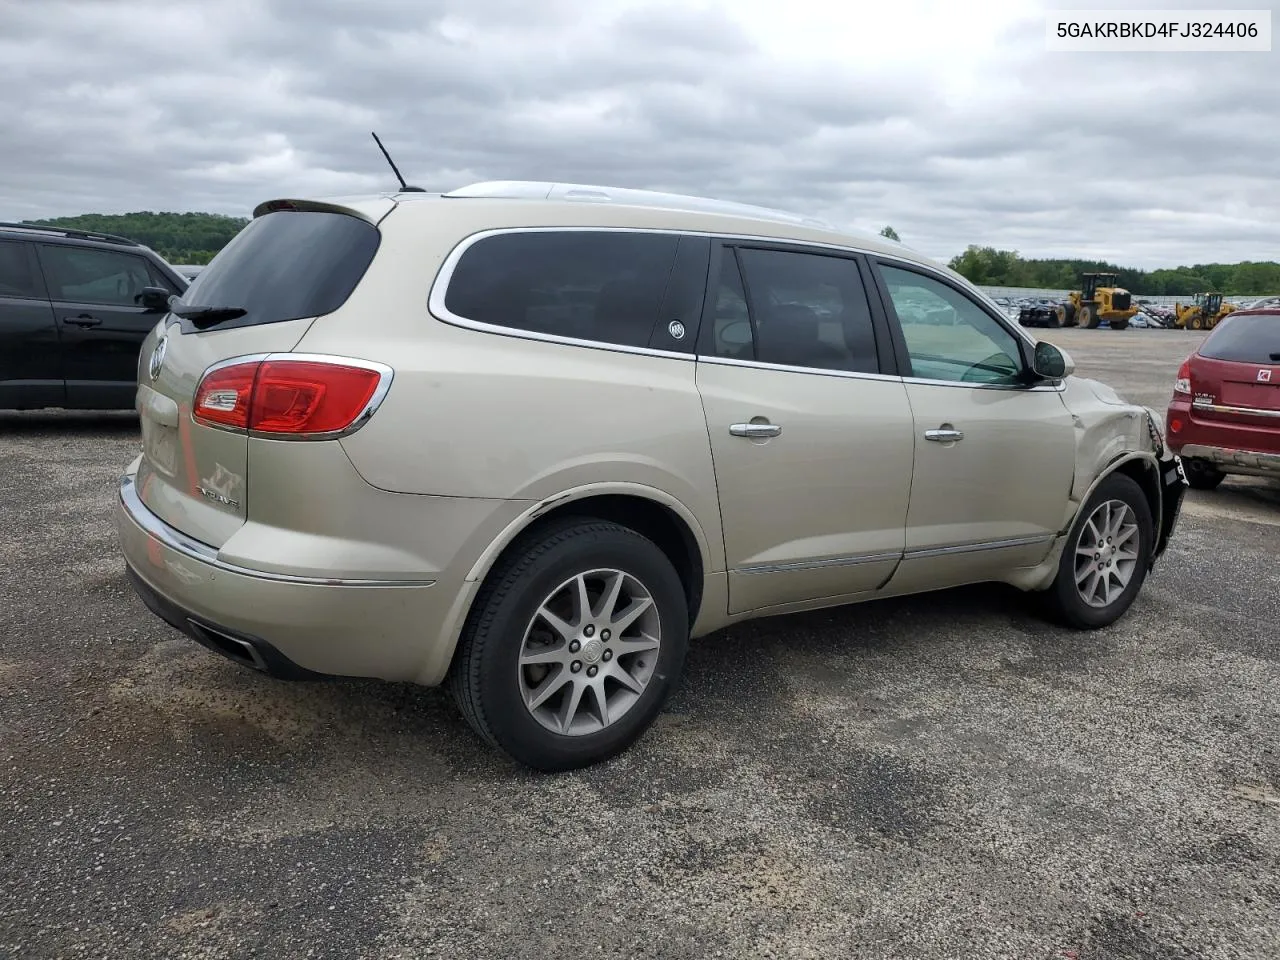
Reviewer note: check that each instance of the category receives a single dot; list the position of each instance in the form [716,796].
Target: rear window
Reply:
[1247,338]
[285,266]
[589,285]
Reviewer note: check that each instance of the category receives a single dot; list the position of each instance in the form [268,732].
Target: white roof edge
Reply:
[591,193]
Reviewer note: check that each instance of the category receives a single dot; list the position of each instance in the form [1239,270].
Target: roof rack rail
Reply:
[549,190]
[69,232]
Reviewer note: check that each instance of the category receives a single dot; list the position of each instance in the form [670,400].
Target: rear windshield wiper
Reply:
[202,318]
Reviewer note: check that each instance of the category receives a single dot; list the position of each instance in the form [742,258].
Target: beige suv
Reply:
[530,438]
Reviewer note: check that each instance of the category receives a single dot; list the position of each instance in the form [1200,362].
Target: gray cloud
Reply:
[1152,159]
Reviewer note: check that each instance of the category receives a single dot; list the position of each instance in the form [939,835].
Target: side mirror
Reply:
[154,299]
[1051,363]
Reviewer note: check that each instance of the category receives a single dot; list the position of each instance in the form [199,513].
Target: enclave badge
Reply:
[157,357]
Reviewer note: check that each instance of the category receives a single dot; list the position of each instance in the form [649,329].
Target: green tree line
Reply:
[178,237]
[1005,268]
[196,237]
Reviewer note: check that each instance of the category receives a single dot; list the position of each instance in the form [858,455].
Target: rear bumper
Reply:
[286,626]
[1227,460]
[1240,448]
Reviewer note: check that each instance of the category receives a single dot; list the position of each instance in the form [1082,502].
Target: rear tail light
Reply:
[296,396]
[1182,383]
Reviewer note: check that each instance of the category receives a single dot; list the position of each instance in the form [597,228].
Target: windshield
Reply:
[1245,338]
[285,265]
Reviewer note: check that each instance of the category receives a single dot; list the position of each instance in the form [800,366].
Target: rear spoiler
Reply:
[370,209]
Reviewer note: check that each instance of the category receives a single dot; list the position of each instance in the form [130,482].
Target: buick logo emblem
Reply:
[157,357]
[676,329]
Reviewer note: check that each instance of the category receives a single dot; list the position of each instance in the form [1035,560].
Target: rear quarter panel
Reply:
[475,414]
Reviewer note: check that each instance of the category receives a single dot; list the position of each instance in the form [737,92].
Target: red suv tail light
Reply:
[1182,383]
[291,395]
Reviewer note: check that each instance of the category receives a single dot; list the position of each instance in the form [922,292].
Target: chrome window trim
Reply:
[193,549]
[1238,411]
[439,290]
[386,375]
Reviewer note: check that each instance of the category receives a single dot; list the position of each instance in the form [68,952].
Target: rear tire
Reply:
[602,691]
[1119,324]
[1096,586]
[1202,475]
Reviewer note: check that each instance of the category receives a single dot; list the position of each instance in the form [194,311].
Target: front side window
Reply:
[794,309]
[86,275]
[602,286]
[949,337]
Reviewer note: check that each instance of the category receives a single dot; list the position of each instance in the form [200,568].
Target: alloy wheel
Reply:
[1107,552]
[589,652]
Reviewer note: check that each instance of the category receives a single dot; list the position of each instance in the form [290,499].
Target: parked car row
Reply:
[596,431]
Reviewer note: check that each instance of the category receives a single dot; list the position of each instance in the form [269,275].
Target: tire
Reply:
[1089,317]
[1069,315]
[1119,324]
[1065,599]
[542,569]
[1202,475]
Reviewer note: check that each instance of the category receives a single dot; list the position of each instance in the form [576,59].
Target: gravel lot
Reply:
[933,777]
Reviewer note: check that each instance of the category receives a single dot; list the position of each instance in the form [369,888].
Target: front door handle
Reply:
[755,429]
[944,435]
[84,320]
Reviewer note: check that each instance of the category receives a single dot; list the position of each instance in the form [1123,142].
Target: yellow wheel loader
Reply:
[1098,299]
[1203,313]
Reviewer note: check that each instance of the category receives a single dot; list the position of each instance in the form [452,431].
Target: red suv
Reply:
[1225,413]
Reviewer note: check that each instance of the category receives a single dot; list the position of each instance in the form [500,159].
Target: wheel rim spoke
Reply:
[569,711]
[631,614]
[609,599]
[549,686]
[546,655]
[627,680]
[578,670]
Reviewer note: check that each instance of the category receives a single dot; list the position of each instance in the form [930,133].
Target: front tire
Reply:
[1106,558]
[1089,316]
[573,645]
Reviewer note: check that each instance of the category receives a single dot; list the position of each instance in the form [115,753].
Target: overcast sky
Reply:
[946,119]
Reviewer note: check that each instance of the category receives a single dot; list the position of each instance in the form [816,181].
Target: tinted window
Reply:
[805,310]
[16,276]
[601,286]
[86,275]
[1252,338]
[287,265]
[949,337]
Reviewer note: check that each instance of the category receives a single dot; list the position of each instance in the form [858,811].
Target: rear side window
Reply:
[794,309]
[602,286]
[285,266]
[17,279]
[1251,338]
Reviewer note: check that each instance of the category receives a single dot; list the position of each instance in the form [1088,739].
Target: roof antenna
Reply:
[404,187]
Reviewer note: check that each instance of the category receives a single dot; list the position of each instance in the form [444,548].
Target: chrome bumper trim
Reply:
[193,549]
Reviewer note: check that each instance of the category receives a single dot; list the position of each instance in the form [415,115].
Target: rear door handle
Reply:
[945,435]
[84,320]
[755,429]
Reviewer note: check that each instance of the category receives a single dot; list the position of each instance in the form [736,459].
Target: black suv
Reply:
[73,316]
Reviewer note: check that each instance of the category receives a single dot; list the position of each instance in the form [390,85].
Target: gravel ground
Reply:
[941,776]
